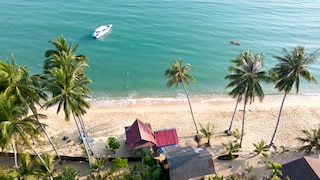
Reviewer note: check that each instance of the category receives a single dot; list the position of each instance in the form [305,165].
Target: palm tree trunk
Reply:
[243,117]
[275,130]
[84,139]
[234,112]
[185,90]
[75,120]
[85,144]
[14,154]
[42,161]
[83,126]
[84,130]
[53,146]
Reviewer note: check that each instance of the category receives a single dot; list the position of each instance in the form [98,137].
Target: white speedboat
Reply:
[102,30]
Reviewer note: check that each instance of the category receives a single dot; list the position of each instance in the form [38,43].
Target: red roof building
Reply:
[139,135]
[166,137]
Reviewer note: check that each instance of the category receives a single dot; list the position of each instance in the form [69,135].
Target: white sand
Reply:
[103,121]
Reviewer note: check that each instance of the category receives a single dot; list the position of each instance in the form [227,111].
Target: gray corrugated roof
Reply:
[304,168]
[188,162]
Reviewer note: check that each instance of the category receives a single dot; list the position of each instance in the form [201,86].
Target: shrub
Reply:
[119,163]
[69,172]
[113,143]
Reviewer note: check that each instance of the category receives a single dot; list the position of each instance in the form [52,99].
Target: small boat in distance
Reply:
[102,30]
[234,42]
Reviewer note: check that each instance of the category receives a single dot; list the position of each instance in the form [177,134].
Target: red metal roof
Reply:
[139,135]
[166,137]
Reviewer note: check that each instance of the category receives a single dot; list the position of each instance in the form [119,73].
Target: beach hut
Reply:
[139,135]
[166,137]
[307,167]
[188,162]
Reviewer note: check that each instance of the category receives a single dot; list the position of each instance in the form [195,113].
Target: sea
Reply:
[128,64]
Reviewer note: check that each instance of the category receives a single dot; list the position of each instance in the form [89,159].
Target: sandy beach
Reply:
[102,121]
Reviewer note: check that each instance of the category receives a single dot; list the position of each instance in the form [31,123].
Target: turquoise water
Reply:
[130,61]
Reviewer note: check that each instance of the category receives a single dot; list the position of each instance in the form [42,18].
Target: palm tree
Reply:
[232,149]
[292,66]
[65,79]
[97,166]
[261,148]
[15,80]
[246,81]
[16,127]
[47,163]
[207,131]
[26,169]
[312,141]
[178,74]
[276,169]
[238,63]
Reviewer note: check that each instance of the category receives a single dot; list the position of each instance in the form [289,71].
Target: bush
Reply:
[113,143]
[119,163]
[69,172]
[149,161]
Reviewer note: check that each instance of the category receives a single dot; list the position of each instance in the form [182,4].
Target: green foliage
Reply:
[207,131]
[261,148]
[283,150]
[292,67]
[140,171]
[236,134]
[97,167]
[141,152]
[132,175]
[49,161]
[216,177]
[276,169]
[178,74]
[113,143]
[239,176]
[68,173]
[232,149]
[245,78]
[27,168]
[119,163]
[148,160]
[4,174]
[250,169]
[311,141]
[156,174]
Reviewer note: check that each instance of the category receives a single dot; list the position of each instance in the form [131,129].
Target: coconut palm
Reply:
[48,162]
[246,81]
[311,142]
[16,127]
[276,169]
[15,80]
[26,169]
[238,63]
[292,66]
[178,74]
[65,79]
[232,149]
[261,148]
[207,131]
[97,166]
[57,57]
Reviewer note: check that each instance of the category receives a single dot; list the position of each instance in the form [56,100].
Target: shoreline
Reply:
[102,121]
[149,101]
